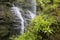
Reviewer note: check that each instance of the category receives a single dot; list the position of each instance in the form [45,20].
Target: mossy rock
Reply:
[6,21]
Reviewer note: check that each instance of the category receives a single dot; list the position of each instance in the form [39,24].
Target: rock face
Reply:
[5,22]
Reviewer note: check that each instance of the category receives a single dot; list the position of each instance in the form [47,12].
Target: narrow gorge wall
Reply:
[6,21]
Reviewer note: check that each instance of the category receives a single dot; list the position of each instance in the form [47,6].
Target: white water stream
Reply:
[31,14]
[16,10]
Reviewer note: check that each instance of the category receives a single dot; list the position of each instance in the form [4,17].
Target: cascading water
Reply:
[32,9]
[17,12]
[31,14]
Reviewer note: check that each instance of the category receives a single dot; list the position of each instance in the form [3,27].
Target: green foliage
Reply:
[39,29]
[47,6]
[51,7]
[44,21]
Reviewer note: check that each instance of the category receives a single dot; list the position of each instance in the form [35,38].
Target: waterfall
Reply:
[17,12]
[32,9]
[31,14]
[32,5]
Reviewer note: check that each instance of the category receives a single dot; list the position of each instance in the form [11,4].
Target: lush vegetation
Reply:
[39,29]
[45,26]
